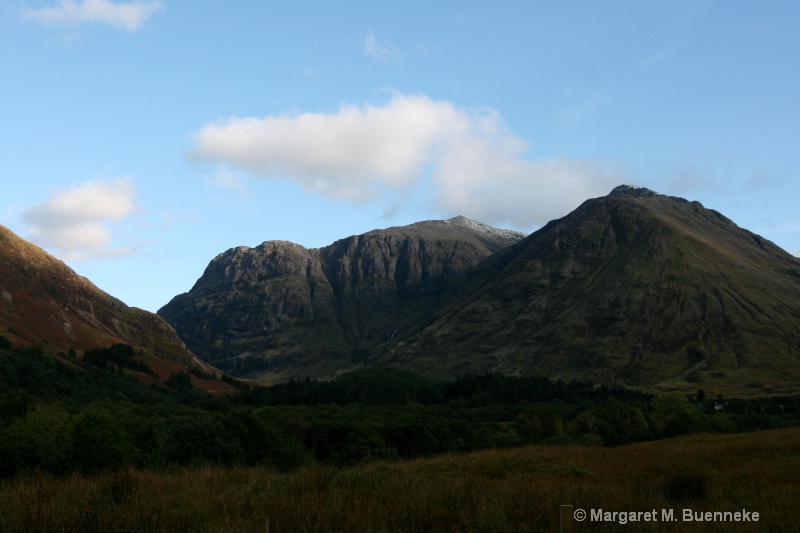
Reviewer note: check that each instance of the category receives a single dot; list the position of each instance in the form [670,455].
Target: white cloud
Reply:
[475,165]
[125,15]
[73,222]
[377,49]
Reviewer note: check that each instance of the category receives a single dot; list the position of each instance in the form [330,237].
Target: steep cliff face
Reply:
[256,309]
[385,279]
[282,310]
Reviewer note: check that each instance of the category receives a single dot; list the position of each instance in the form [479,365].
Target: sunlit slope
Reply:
[44,302]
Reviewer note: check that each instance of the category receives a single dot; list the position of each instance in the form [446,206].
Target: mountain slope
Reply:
[44,302]
[633,288]
[282,310]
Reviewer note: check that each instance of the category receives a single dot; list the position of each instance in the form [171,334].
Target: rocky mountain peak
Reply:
[633,190]
[499,234]
[281,301]
[243,265]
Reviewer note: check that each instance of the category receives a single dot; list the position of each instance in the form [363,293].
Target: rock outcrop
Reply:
[280,310]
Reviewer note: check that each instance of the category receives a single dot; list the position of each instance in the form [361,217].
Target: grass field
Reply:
[496,490]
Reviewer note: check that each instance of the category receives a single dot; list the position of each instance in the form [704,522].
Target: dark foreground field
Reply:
[518,489]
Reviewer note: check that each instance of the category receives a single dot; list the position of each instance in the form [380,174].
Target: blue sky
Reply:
[142,138]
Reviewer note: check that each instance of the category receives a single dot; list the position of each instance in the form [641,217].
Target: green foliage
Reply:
[384,386]
[675,414]
[530,428]
[192,437]
[5,344]
[14,403]
[40,439]
[180,380]
[44,377]
[120,355]
[51,418]
[99,440]
[616,423]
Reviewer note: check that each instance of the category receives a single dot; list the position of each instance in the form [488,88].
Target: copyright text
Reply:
[665,515]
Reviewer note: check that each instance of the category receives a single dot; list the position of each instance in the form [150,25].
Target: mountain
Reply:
[634,288]
[45,303]
[280,310]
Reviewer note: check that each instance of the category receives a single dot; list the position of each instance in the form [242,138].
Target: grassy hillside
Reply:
[632,289]
[45,304]
[494,490]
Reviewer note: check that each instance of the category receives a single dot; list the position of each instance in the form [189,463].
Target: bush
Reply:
[99,441]
[40,439]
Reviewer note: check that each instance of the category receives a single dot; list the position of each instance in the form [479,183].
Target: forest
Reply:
[61,414]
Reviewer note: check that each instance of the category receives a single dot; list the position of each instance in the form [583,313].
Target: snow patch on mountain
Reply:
[484,229]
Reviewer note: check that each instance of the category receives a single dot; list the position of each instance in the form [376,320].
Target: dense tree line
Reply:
[60,414]
[120,355]
[383,386]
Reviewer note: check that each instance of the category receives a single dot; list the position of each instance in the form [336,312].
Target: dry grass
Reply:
[496,490]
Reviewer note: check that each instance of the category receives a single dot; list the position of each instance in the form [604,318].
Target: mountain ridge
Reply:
[625,259]
[634,288]
[344,298]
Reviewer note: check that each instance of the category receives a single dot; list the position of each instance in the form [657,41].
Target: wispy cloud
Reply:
[787,231]
[473,163]
[582,111]
[764,180]
[225,178]
[686,178]
[790,226]
[377,49]
[661,56]
[73,223]
[129,16]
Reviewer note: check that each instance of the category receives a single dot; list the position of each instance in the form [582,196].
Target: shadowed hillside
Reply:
[280,310]
[634,288]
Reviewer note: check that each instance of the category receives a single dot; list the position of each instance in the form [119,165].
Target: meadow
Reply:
[518,489]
